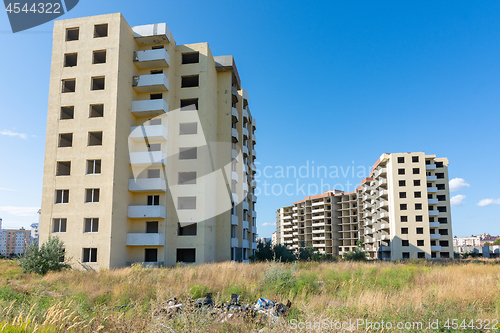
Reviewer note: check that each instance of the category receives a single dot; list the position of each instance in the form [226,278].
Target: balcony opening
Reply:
[70,59]
[67,112]
[97,83]
[155,173]
[92,195]
[245,103]
[190,58]
[100,30]
[156,71]
[91,225]
[151,255]
[96,111]
[99,57]
[72,34]
[152,227]
[62,196]
[188,128]
[89,255]
[188,153]
[190,81]
[187,178]
[66,140]
[154,147]
[95,139]
[155,121]
[186,203]
[189,104]
[153,200]
[63,168]
[157,47]
[69,85]
[189,230]
[59,225]
[155,96]
[186,255]
[93,167]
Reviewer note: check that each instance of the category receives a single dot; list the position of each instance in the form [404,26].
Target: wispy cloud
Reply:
[487,202]
[457,200]
[458,184]
[7,189]
[266,224]
[20,211]
[10,133]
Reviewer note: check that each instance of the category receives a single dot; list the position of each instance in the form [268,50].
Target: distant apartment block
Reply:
[150,149]
[14,242]
[478,240]
[401,211]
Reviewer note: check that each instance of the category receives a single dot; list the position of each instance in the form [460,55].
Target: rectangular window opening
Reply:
[155,96]
[189,104]
[66,140]
[186,203]
[190,81]
[59,225]
[68,85]
[95,139]
[154,173]
[70,59]
[187,178]
[96,111]
[67,112]
[99,57]
[91,225]
[190,58]
[188,128]
[92,195]
[89,255]
[186,255]
[150,255]
[93,167]
[72,34]
[152,227]
[190,153]
[100,30]
[62,196]
[63,168]
[153,200]
[188,230]
[97,83]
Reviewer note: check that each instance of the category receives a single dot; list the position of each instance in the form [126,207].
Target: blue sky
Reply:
[331,83]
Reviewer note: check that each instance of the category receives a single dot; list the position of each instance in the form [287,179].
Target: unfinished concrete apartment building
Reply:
[402,211]
[150,148]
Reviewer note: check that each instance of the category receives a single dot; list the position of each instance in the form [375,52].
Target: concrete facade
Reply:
[162,142]
[401,211]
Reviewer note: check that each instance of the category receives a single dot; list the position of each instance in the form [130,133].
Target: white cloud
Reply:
[268,224]
[457,200]
[7,189]
[10,133]
[20,211]
[458,184]
[487,202]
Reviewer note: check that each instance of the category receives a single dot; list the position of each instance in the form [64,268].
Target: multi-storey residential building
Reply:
[401,211]
[14,242]
[131,112]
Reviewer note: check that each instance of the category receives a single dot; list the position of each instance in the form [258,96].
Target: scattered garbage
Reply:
[274,311]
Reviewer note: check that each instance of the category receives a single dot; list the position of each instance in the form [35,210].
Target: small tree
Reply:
[497,242]
[50,257]
[357,255]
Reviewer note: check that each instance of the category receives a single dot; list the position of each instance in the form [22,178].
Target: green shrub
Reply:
[50,257]
[279,278]
[198,291]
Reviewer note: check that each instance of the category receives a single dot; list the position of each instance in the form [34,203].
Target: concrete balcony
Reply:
[246,225]
[147,185]
[152,34]
[384,215]
[254,138]
[319,238]
[367,206]
[245,132]
[383,203]
[151,132]
[432,189]
[246,244]
[435,236]
[384,226]
[234,154]
[235,197]
[143,239]
[234,91]
[381,182]
[254,246]
[245,150]
[149,108]
[254,183]
[245,187]
[254,198]
[235,115]
[432,201]
[142,212]
[433,224]
[151,58]
[433,212]
[385,237]
[246,115]
[436,248]
[234,176]
[246,207]
[318,231]
[318,210]
[254,214]
[384,248]
[254,153]
[235,135]
[150,83]
[380,172]
[430,167]
[431,178]
[318,203]
[148,158]
[318,217]
[234,242]
[234,219]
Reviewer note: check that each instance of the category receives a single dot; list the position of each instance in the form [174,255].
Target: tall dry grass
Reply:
[124,300]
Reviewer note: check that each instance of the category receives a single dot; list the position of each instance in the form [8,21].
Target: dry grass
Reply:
[92,301]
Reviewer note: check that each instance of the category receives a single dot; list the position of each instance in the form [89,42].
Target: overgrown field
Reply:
[327,294]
